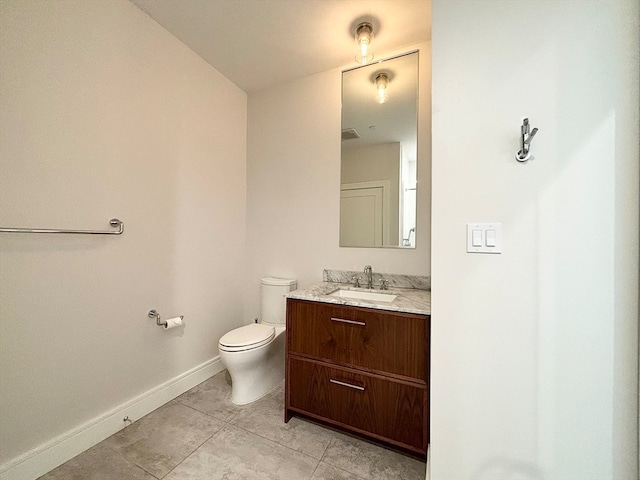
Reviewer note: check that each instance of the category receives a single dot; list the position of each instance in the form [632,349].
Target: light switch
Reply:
[484,238]
[490,238]
[476,238]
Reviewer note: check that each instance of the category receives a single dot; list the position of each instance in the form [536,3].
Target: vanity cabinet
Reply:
[361,369]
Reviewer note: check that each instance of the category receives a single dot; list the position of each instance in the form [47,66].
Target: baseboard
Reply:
[428,467]
[48,456]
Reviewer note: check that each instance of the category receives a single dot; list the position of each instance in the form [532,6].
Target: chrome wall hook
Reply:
[525,141]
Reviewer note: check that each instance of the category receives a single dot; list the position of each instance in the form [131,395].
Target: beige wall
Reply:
[534,351]
[103,113]
[293,186]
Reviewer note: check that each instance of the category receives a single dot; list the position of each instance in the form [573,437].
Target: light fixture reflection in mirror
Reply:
[382,87]
[379,154]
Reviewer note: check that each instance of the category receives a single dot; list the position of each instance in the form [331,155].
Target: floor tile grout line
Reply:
[331,463]
[194,451]
[224,423]
[274,441]
[341,469]
[325,450]
[314,470]
[116,451]
[146,471]
[208,414]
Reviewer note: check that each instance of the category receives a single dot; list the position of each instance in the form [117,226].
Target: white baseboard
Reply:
[48,456]
[428,474]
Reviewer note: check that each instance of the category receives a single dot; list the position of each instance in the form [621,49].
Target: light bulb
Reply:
[364,35]
[382,95]
[364,47]
[382,82]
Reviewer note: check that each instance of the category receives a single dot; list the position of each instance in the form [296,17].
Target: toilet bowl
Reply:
[254,354]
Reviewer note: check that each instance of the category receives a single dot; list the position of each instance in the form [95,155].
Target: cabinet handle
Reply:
[342,320]
[337,382]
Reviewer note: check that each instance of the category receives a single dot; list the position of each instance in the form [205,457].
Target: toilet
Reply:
[254,354]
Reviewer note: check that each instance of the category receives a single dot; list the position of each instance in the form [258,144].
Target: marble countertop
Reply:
[409,300]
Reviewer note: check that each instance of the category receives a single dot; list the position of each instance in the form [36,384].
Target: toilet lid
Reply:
[254,335]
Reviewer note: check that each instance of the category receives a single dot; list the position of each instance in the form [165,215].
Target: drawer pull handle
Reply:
[337,382]
[352,322]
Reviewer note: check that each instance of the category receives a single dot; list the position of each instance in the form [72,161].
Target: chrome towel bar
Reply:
[114,222]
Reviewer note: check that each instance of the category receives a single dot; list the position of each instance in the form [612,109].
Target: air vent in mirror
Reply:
[350,134]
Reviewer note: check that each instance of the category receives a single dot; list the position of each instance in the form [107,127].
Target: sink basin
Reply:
[364,295]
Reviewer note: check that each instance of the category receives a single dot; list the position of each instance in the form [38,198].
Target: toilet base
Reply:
[256,372]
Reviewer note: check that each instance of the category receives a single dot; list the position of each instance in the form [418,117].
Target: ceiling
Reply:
[261,43]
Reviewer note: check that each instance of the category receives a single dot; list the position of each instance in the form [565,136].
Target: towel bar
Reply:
[114,222]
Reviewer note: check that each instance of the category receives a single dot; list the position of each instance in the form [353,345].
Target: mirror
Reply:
[379,154]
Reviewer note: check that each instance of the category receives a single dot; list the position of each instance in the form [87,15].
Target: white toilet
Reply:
[254,354]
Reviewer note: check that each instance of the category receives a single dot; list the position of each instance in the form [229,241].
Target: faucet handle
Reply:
[384,284]
[356,281]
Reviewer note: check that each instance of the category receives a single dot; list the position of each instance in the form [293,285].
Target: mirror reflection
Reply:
[379,154]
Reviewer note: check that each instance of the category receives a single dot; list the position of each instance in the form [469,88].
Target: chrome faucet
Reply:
[369,273]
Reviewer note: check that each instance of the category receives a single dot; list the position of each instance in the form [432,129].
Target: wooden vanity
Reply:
[364,370]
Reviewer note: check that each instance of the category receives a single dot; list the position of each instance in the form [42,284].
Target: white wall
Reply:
[103,113]
[534,360]
[293,186]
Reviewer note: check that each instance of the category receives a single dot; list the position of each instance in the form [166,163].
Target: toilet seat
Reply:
[247,337]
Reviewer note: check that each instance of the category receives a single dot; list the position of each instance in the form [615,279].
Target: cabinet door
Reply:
[375,340]
[386,409]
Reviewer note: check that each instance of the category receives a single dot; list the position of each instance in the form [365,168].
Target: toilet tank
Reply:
[272,300]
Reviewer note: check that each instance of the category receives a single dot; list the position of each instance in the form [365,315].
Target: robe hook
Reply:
[525,141]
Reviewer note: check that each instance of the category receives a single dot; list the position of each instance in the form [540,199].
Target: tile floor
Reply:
[201,435]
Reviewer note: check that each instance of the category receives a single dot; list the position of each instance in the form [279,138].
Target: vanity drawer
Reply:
[375,340]
[387,409]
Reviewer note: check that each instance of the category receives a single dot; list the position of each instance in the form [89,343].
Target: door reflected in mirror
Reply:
[379,154]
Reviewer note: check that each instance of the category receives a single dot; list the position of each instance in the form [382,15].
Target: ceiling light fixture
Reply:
[382,84]
[364,36]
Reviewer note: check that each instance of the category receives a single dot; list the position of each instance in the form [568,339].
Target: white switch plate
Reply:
[483,227]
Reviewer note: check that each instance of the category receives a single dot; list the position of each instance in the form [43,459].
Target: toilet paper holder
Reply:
[159,322]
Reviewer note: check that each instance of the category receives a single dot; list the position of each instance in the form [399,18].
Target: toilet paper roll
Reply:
[173,323]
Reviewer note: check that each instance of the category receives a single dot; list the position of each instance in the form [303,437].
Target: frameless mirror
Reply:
[379,154]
